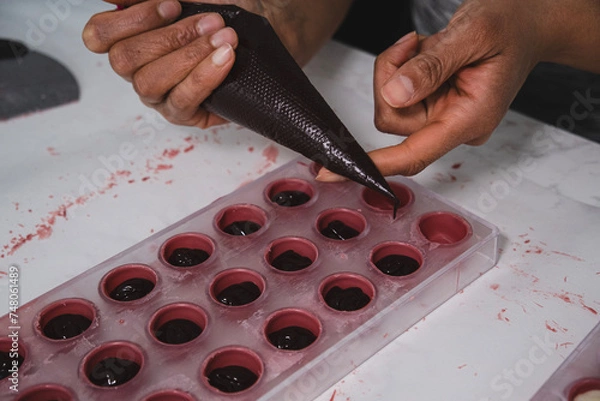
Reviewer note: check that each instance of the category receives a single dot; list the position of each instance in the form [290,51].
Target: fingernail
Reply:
[209,24]
[222,55]
[327,176]
[397,91]
[168,9]
[406,37]
[222,36]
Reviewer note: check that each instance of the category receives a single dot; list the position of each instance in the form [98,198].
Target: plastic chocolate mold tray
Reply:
[274,292]
[578,377]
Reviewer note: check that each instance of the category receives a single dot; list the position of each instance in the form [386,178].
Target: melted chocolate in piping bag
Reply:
[267,92]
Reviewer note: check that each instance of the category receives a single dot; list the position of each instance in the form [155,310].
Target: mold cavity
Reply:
[290,192]
[341,224]
[314,168]
[169,395]
[382,204]
[128,282]
[396,258]
[7,356]
[292,329]
[444,228]
[290,254]
[46,392]
[241,220]
[112,364]
[237,287]
[178,323]
[346,292]
[232,369]
[66,319]
[587,389]
[187,250]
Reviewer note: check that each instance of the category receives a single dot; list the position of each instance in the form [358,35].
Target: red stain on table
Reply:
[270,153]
[333,395]
[568,256]
[494,286]
[456,166]
[555,327]
[462,366]
[52,151]
[502,317]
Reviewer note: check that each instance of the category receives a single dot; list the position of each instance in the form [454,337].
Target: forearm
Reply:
[305,25]
[572,30]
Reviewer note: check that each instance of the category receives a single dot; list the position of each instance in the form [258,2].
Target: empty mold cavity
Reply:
[232,370]
[587,389]
[382,204]
[128,282]
[169,395]
[292,329]
[46,392]
[341,224]
[396,258]
[112,364]
[66,319]
[178,323]
[290,254]
[346,292]
[10,351]
[444,228]
[187,250]
[241,220]
[290,192]
[237,287]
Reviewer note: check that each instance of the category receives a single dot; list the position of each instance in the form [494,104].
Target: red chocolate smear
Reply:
[555,327]
[444,178]
[594,311]
[170,153]
[501,316]
[494,286]
[333,395]
[52,151]
[461,366]
[270,153]
[456,166]
[564,345]
[569,256]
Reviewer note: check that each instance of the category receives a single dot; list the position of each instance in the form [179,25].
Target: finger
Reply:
[181,106]
[105,29]
[152,84]
[124,3]
[442,55]
[418,150]
[129,55]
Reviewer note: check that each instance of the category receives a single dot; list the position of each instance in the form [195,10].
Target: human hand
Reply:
[173,66]
[454,87]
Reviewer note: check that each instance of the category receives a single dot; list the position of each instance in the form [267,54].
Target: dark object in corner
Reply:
[31,81]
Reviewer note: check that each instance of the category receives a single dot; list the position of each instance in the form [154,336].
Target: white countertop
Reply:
[64,209]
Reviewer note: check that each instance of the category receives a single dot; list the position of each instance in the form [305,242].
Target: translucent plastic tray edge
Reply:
[556,387]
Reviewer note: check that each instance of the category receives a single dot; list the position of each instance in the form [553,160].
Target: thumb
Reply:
[446,52]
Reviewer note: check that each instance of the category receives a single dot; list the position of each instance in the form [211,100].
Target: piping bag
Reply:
[267,92]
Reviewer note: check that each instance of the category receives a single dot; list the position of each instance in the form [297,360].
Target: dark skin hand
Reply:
[173,67]
[455,87]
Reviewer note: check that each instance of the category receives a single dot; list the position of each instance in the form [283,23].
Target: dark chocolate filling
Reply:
[290,198]
[292,338]
[349,299]
[339,231]
[66,326]
[132,289]
[291,261]
[6,363]
[178,331]
[239,294]
[231,379]
[112,372]
[243,227]
[397,265]
[186,257]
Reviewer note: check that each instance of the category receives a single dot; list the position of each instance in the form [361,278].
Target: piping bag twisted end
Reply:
[267,92]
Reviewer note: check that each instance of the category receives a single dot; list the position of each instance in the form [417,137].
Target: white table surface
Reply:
[63,212]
